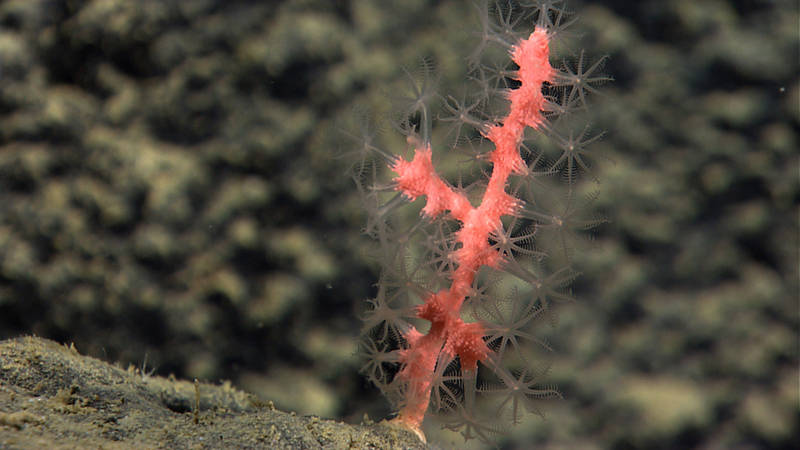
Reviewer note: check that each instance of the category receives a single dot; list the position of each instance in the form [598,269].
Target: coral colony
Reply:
[438,337]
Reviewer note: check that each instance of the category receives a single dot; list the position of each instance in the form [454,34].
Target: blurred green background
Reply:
[170,198]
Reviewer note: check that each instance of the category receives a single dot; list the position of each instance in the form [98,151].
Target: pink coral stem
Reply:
[448,332]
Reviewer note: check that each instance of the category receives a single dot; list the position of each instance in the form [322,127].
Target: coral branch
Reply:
[441,335]
[448,332]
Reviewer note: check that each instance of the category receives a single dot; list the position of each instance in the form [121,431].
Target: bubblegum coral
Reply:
[440,366]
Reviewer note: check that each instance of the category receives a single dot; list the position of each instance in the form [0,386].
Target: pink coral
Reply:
[438,260]
[448,332]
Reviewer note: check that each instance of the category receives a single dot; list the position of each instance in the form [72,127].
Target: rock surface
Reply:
[53,397]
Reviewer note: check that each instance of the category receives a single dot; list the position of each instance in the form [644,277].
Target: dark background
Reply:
[170,199]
